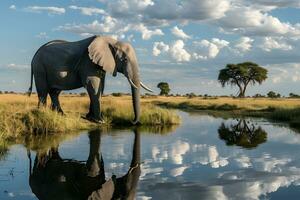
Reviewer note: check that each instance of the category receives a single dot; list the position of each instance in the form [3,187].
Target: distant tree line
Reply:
[270,94]
[240,75]
[7,92]
[273,94]
[292,95]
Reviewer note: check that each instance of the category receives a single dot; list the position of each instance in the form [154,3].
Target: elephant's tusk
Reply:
[132,84]
[145,87]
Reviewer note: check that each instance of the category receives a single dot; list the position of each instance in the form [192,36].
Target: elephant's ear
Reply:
[100,53]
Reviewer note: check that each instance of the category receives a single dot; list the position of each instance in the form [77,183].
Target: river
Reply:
[203,158]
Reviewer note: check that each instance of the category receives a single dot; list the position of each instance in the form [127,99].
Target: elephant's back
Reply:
[37,58]
[60,52]
[61,47]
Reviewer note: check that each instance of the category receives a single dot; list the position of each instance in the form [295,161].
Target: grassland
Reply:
[219,102]
[21,121]
[280,109]
[19,115]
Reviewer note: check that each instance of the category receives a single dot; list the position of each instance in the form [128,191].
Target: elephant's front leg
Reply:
[94,90]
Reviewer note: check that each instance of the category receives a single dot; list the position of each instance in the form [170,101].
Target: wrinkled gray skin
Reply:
[61,65]
[53,177]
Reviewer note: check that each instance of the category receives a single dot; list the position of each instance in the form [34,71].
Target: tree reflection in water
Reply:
[53,177]
[244,134]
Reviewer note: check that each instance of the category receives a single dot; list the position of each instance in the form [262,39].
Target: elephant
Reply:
[61,65]
[53,177]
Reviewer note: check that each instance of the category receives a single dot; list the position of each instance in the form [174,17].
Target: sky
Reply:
[184,43]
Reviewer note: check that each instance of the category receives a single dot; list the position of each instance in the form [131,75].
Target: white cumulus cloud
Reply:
[188,10]
[107,24]
[270,43]
[247,20]
[49,9]
[179,33]
[244,44]
[146,33]
[209,49]
[89,11]
[213,9]
[178,52]
[159,47]
[13,7]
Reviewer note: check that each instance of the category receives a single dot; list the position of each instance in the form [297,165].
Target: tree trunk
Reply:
[241,93]
[244,89]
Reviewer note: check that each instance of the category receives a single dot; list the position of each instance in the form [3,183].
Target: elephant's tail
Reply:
[31,81]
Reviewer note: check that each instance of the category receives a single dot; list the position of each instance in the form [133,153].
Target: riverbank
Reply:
[19,115]
[281,109]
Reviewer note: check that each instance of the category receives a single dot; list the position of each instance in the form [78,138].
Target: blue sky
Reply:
[184,43]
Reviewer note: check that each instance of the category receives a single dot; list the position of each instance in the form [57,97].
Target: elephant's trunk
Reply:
[134,80]
[132,74]
[136,101]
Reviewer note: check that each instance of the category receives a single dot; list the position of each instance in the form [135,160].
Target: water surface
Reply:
[204,158]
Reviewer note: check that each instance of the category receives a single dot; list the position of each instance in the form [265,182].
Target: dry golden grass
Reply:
[69,101]
[282,109]
[245,103]
[19,114]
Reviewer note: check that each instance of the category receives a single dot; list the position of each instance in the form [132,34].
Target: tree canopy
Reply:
[292,95]
[164,88]
[272,94]
[241,75]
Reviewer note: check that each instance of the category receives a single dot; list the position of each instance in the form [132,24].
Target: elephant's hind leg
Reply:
[42,100]
[42,90]
[42,95]
[55,105]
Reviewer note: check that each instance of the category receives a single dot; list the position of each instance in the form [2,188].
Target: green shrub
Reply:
[83,94]
[117,94]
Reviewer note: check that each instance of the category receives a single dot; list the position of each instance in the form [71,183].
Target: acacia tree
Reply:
[164,88]
[242,75]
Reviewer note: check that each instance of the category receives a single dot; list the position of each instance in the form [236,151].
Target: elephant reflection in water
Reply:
[55,178]
[244,134]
